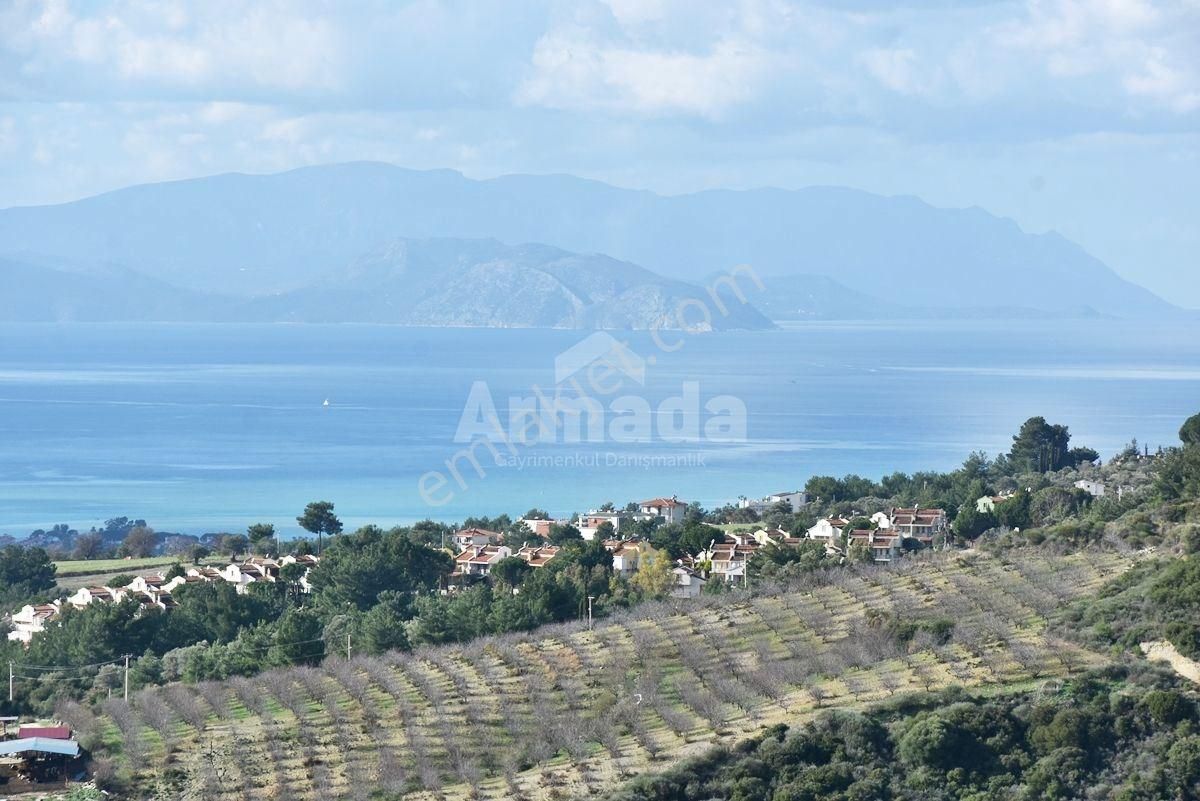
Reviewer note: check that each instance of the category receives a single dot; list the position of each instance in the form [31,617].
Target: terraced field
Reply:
[566,711]
[89,573]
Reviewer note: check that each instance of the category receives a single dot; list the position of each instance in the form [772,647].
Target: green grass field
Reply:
[564,711]
[72,575]
[84,567]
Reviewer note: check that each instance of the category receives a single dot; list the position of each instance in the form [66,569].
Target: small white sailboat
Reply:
[326,403]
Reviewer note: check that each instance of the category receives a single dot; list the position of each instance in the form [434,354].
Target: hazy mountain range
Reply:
[376,243]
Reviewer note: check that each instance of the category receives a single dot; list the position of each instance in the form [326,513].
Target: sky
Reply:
[1080,116]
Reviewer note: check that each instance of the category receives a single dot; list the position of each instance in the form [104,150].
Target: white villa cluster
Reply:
[154,591]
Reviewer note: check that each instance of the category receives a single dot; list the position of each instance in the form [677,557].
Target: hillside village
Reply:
[477,550]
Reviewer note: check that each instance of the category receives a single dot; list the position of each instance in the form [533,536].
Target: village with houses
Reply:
[476,550]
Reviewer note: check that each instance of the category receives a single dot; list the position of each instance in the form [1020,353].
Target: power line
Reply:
[60,668]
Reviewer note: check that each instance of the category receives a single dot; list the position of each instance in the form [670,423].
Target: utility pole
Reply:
[10,682]
[590,599]
[347,647]
[126,678]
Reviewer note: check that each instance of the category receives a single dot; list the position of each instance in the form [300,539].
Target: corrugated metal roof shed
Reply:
[49,732]
[42,744]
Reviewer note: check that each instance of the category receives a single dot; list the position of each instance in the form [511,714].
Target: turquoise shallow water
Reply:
[205,427]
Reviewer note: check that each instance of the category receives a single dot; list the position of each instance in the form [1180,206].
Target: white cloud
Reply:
[896,68]
[1149,50]
[577,74]
[218,46]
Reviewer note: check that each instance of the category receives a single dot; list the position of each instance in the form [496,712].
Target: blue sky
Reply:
[1080,116]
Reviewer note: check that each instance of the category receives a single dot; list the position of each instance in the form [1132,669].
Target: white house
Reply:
[589,524]
[688,582]
[32,620]
[988,503]
[1093,488]
[474,537]
[795,500]
[179,581]
[626,556]
[241,576]
[917,523]
[478,560]
[827,529]
[671,509]
[728,561]
[884,544]
[86,596]
[147,584]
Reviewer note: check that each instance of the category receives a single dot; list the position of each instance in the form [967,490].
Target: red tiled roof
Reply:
[49,732]
[668,502]
[477,532]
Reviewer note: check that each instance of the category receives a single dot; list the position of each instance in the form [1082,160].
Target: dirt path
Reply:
[1163,651]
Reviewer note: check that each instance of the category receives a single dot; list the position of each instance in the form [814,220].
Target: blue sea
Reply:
[202,428]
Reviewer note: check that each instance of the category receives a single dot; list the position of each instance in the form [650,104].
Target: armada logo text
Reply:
[570,415]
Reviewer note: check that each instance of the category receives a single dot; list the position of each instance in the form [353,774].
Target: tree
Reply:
[261,537]
[1078,456]
[1040,447]
[359,566]
[382,628]
[139,543]
[970,522]
[655,577]
[88,546]
[1178,474]
[24,572]
[825,488]
[563,533]
[216,612]
[233,544]
[319,519]
[1014,512]
[1189,433]
[511,570]
[298,639]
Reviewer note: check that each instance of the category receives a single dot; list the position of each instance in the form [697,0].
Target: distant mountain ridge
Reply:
[482,282]
[256,236]
[430,282]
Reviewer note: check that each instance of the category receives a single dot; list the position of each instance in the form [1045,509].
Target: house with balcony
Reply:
[923,525]
[477,560]
[884,545]
[727,561]
[672,510]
